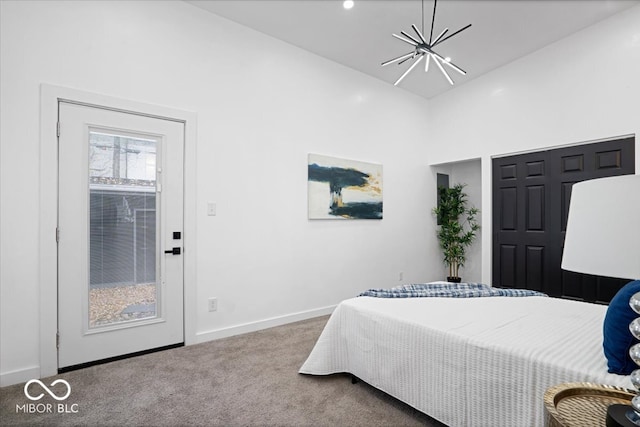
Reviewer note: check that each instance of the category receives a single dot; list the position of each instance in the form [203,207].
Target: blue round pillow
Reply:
[617,337]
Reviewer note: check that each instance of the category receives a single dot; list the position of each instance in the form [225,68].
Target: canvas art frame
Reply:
[343,189]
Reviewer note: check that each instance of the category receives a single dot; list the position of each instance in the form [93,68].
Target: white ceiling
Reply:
[360,38]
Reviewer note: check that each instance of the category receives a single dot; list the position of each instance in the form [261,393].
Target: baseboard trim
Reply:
[262,324]
[19,376]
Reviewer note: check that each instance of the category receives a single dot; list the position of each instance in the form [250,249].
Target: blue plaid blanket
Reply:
[445,289]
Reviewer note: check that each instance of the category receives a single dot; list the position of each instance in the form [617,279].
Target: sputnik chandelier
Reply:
[423,49]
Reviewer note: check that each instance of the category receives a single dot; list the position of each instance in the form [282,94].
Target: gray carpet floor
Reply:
[246,380]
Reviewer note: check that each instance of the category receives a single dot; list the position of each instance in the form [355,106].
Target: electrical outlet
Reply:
[400,276]
[213,304]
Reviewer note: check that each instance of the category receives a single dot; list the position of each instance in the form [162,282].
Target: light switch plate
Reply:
[211,209]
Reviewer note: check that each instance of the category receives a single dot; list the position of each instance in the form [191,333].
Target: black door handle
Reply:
[175,251]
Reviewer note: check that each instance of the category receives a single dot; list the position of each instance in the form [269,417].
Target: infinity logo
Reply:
[47,389]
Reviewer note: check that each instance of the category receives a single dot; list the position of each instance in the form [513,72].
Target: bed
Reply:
[466,361]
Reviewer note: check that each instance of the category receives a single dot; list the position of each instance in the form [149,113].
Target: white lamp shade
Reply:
[603,228]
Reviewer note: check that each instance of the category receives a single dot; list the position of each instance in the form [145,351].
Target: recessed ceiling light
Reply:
[348,4]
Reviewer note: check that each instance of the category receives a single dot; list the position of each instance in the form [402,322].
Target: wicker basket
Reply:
[582,404]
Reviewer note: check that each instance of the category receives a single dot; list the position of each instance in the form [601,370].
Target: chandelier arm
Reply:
[422,16]
[455,67]
[443,71]
[409,70]
[405,40]
[419,33]
[399,58]
[451,35]
[410,37]
[435,42]
[433,19]
[413,55]
[449,63]
[427,50]
[426,62]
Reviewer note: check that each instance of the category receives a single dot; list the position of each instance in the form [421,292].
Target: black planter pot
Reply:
[454,279]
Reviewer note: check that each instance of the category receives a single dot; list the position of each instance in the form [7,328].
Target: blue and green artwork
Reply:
[344,189]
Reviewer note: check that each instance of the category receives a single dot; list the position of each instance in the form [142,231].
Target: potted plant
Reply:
[457,227]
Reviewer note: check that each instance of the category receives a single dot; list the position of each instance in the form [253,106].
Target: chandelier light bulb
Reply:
[348,4]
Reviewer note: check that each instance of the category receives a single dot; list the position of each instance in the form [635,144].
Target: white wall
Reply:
[261,106]
[582,88]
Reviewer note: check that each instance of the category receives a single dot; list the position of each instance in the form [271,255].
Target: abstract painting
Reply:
[344,189]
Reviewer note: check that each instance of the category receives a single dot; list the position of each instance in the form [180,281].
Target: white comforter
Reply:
[470,361]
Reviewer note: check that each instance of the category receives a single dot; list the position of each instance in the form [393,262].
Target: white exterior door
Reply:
[120,223]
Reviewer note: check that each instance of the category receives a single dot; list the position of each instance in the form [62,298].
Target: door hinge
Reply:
[58,340]
[58,129]
[57,235]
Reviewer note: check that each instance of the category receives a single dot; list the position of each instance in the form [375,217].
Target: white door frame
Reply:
[48,201]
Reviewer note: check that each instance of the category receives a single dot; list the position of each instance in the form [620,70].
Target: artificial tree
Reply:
[457,227]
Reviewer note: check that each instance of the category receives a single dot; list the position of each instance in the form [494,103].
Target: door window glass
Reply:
[123,228]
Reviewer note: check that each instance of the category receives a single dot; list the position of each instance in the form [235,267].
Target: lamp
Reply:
[603,238]
[423,49]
